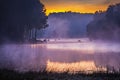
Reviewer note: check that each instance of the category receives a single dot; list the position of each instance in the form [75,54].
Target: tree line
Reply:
[20,19]
[105,25]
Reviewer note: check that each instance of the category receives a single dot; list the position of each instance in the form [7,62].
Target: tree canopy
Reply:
[106,25]
[19,17]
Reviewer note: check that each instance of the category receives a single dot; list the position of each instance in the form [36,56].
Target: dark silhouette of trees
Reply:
[20,19]
[106,25]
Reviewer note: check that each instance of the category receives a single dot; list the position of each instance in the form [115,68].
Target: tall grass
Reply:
[44,75]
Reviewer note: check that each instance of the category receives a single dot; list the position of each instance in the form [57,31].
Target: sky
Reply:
[82,6]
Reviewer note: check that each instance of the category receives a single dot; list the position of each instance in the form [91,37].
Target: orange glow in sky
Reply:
[82,6]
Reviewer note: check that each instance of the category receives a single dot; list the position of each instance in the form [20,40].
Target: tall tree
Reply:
[106,25]
[18,18]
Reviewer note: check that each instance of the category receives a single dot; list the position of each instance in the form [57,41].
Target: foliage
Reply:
[106,25]
[14,75]
[19,17]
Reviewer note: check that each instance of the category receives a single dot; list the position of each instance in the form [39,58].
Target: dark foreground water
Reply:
[72,55]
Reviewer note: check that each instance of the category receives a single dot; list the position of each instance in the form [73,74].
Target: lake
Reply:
[61,55]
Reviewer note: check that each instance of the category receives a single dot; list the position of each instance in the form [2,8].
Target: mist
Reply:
[105,25]
[57,28]
[37,57]
[60,54]
[66,25]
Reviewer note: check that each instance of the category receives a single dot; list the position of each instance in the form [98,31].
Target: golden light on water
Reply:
[62,57]
[72,56]
[84,66]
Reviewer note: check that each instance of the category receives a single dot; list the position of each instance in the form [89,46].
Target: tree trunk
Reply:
[35,34]
[29,36]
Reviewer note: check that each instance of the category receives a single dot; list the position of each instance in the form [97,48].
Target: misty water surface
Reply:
[61,55]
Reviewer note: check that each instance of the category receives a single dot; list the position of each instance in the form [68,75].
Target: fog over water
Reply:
[60,55]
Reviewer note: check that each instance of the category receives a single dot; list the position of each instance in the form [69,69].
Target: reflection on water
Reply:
[81,47]
[61,56]
[84,66]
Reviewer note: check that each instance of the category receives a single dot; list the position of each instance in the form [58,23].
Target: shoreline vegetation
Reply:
[6,74]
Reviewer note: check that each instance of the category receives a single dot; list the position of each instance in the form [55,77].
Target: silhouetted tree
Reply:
[106,25]
[18,18]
